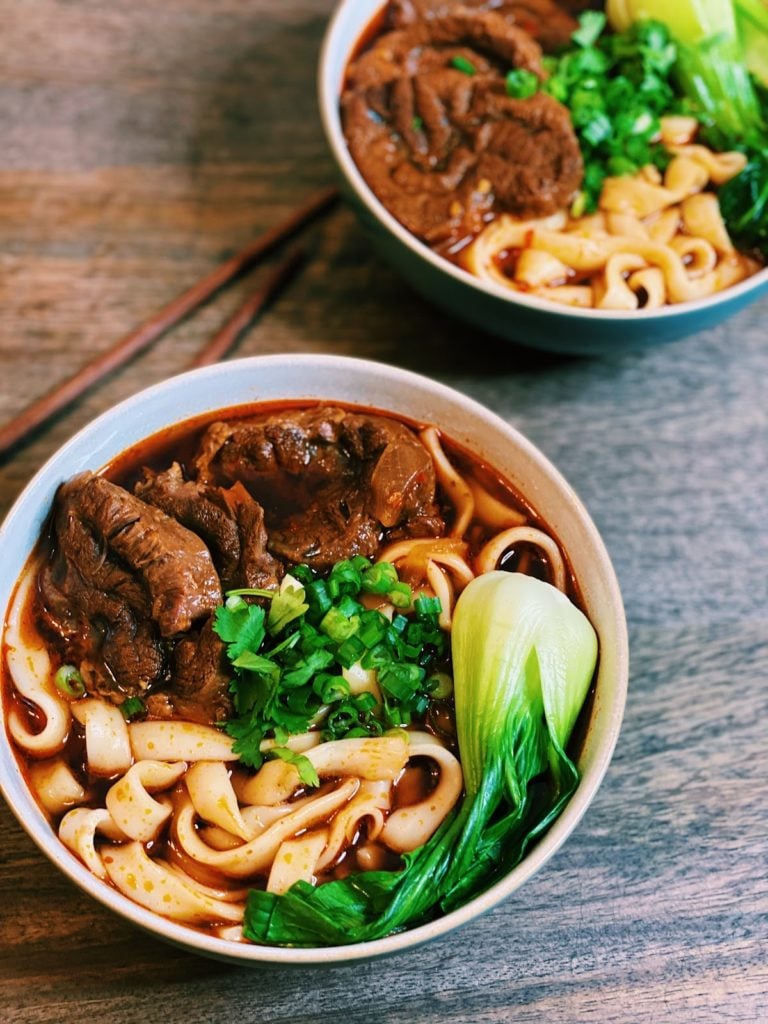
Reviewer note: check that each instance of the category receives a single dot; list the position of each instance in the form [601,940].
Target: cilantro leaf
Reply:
[247,734]
[241,628]
[288,604]
[301,763]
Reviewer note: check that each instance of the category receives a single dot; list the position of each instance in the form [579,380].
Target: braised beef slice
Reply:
[201,678]
[335,526]
[122,578]
[117,651]
[172,561]
[434,143]
[200,509]
[545,20]
[231,524]
[95,611]
[256,567]
[530,153]
[330,481]
[491,42]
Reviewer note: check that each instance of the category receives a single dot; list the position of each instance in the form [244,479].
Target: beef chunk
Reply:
[529,151]
[230,522]
[403,477]
[200,509]
[115,646]
[330,481]
[172,562]
[201,678]
[96,612]
[122,577]
[256,566]
[433,142]
[545,20]
[335,526]
[490,41]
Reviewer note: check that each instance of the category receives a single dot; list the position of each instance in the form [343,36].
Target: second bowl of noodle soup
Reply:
[652,264]
[329,478]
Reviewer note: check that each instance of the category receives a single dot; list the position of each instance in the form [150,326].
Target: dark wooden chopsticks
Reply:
[226,337]
[41,410]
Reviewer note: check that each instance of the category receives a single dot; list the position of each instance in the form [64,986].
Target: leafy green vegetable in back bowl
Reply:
[719,69]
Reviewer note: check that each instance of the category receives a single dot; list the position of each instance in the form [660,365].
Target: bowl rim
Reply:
[329,76]
[34,822]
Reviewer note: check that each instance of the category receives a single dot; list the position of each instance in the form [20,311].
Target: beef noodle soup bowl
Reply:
[273,628]
[480,194]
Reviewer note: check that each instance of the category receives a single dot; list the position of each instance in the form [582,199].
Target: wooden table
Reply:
[142,142]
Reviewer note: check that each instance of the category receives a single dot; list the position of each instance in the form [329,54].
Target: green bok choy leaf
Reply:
[752,23]
[523,660]
[711,66]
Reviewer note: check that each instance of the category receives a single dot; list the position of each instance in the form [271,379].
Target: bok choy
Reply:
[722,72]
[523,660]
[711,66]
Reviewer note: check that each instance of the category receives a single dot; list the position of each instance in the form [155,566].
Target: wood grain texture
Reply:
[141,144]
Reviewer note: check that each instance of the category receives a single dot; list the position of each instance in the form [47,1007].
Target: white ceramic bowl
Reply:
[360,382]
[498,310]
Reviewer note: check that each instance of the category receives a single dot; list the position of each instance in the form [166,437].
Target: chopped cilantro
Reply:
[288,658]
[591,25]
[301,763]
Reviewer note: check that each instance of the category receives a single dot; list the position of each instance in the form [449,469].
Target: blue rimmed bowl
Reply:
[511,315]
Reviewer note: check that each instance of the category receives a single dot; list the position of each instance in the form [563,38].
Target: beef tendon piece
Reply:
[330,482]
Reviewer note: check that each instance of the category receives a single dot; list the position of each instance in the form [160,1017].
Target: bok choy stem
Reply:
[523,660]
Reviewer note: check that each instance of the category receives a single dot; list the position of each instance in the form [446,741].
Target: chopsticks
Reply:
[226,337]
[42,409]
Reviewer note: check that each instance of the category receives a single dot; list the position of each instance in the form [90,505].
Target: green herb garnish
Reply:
[616,87]
[289,658]
[132,707]
[69,681]
[463,64]
[301,763]
[521,83]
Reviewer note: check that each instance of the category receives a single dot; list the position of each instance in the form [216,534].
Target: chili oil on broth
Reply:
[419,779]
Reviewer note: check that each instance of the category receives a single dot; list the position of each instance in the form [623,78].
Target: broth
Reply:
[349,444]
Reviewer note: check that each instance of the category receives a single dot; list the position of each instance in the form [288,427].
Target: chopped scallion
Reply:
[132,707]
[69,681]
[463,65]
[288,654]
